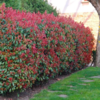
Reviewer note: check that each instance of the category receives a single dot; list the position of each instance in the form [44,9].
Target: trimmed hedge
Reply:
[39,46]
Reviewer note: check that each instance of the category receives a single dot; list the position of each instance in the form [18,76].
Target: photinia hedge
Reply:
[35,47]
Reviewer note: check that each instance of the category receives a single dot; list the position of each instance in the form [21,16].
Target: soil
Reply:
[30,92]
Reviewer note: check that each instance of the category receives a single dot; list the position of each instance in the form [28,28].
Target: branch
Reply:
[96,4]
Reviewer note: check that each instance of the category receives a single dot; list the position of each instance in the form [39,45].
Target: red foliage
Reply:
[39,46]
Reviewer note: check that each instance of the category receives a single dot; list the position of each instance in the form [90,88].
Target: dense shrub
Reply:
[41,6]
[39,46]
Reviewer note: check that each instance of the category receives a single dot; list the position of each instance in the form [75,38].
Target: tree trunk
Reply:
[96,4]
[98,47]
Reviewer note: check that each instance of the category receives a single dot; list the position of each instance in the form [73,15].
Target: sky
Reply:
[72,6]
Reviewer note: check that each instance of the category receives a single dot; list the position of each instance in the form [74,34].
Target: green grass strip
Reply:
[82,85]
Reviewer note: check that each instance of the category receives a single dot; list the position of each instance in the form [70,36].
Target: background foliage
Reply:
[31,5]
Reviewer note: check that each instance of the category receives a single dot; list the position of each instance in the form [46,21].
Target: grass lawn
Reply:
[82,85]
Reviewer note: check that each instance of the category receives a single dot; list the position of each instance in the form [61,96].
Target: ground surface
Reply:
[83,85]
[30,92]
[62,89]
